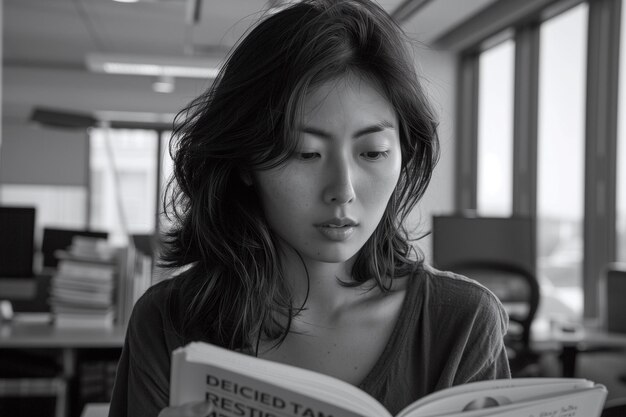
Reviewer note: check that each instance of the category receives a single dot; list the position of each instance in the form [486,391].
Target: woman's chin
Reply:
[332,255]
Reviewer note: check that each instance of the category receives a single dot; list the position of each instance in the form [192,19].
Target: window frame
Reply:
[159,129]
[601,118]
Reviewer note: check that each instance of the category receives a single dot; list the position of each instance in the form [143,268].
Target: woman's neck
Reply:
[317,287]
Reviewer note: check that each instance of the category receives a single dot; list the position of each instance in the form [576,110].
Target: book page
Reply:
[498,392]
[587,402]
[235,394]
[317,385]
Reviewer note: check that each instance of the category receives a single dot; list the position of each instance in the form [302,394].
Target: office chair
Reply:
[499,252]
[614,293]
[518,289]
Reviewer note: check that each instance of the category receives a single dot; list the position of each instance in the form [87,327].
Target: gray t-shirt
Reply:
[449,332]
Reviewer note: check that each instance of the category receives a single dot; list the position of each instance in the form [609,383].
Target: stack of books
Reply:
[136,276]
[82,289]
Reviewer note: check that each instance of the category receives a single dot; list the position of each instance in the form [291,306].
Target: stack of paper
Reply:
[82,290]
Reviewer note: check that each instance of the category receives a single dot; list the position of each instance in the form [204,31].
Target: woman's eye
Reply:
[375,155]
[307,156]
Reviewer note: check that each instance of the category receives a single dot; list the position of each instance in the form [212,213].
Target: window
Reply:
[621,149]
[495,130]
[560,164]
[57,206]
[123,171]
[569,125]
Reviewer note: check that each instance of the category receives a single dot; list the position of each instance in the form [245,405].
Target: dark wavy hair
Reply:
[233,287]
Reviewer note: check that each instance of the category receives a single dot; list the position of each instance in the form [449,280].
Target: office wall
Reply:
[42,155]
[34,155]
[439,79]
[77,90]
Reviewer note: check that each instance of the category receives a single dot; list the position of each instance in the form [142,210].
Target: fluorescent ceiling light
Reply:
[168,66]
[136,117]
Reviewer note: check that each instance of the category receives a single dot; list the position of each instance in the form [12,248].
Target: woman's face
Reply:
[328,198]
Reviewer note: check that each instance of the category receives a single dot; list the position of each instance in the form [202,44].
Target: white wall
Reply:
[438,69]
[38,155]
[80,91]
[41,155]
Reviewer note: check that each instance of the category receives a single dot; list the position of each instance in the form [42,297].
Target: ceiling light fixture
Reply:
[133,117]
[159,66]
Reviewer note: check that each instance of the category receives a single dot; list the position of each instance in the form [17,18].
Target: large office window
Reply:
[560,164]
[621,148]
[57,206]
[123,170]
[495,130]
[563,139]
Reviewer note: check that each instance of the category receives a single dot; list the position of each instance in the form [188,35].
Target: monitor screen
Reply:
[460,239]
[61,239]
[17,241]
[144,243]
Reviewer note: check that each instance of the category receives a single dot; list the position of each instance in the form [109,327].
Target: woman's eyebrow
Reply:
[378,127]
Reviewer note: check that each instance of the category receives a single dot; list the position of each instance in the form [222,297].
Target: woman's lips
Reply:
[336,233]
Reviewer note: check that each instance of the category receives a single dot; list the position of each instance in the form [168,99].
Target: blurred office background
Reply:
[531,97]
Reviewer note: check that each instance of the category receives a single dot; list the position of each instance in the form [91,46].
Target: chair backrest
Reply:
[499,252]
[614,293]
[516,287]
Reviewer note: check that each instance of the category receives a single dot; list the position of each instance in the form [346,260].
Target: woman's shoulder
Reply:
[156,297]
[152,329]
[469,297]
[153,311]
[451,283]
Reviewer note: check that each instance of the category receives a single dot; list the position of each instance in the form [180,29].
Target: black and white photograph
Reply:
[313,208]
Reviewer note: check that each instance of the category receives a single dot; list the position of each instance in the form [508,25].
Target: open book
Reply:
[240,385]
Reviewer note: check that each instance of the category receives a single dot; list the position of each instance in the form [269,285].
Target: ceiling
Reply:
[45,43]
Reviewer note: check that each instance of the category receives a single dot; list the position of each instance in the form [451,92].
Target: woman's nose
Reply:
[339,189]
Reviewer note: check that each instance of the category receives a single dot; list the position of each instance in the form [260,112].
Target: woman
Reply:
[295,172]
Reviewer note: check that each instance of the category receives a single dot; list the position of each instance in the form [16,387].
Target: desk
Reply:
[95,410]
[587,337]
[46,336]
[39,335]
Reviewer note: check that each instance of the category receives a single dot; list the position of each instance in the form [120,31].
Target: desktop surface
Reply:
[588,334]
[39,335]
[95,410]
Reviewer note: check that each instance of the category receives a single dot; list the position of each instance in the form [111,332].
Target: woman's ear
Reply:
[246,177]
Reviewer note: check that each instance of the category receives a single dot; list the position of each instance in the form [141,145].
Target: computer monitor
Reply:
[144,243]
[60,239]
[17,241]
[459,239]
